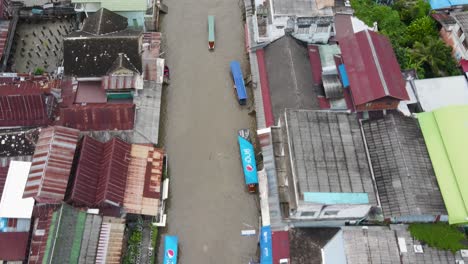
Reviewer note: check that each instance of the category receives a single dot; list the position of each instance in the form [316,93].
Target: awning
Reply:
[266,254]
[248,161]
[170,249]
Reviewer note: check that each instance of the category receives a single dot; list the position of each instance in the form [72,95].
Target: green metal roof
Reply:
[445,131]
[119,5]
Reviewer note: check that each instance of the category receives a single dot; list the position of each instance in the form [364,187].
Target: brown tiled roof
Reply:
[51,164]
[99,117]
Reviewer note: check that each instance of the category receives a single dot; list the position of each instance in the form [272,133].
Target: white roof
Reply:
[12,204]
[435,93]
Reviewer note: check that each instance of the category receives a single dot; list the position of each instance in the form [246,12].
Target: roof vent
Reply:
[418,249]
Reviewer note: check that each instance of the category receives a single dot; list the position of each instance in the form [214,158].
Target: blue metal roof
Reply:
[442,4]
[266,254]
[336,198]
[238,80]
[344,75]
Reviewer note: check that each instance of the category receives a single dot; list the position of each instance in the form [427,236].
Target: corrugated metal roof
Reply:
[13,246]
[99,117]
[110,243]
[280,243]
[332,86]
[101,174]
[23,110]
[144,180]
[4,26]
[40,234]
[372,68]
[90,92]
[151,47]
[51,165]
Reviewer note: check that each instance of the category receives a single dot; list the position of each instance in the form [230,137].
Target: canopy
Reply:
[248,161]
[238,80]
[266,254]
[170,249]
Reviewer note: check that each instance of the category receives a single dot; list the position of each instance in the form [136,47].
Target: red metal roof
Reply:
[51,164]
[98,117]
[343,26]
[267,108]
[315,63]
[101,174]
[280,244]
[464,65]
[152,41]
[3,175]
[372,68]
[90,92]
[25,108]
[4,25]
[13,245]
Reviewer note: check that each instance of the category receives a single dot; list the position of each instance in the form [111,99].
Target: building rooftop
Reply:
[435,93]
[295,7]
[93,51]
[98,117]
[118,5]
[18,142]
[12,204]
[101,174]
[372,68]
[14,246]
[445,133]
[327,153]
[446,4]
[305,244]
[23,107]
[143,188]
[289,76]
[51,164]
[402,168]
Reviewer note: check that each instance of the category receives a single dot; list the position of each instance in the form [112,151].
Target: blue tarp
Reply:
[248,160]
[236,72]
[336,198]
[266,253]
[3,224]
[170,249]
[344,75]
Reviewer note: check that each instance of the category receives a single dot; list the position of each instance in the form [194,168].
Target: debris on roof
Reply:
[18,142]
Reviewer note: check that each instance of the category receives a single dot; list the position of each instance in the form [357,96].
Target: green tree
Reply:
[411,10]
[418,30]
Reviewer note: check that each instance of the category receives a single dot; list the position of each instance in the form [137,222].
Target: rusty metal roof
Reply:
[51,164]
[144,180]
[23,110]
[4,25]
[99,117]
[40,233]
[372,68]
[101,173]
[151,47]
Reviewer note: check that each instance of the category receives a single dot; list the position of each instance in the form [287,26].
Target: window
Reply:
[329,213]
[465,43]
[459,32]
[307,214]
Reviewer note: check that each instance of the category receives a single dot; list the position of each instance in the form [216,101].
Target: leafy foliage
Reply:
[413,34]
[439,235]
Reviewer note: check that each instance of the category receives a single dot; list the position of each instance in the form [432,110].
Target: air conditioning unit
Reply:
[418,249]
